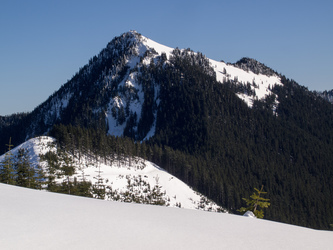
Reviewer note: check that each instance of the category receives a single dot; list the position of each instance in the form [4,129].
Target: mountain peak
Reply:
[133,34]
[126,39]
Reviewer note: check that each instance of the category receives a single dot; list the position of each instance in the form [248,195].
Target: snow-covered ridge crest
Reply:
[257,79]
[128,179]
[256,86]
[35,147]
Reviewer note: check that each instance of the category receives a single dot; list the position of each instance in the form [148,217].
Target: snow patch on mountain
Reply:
[159,48]
[259,84]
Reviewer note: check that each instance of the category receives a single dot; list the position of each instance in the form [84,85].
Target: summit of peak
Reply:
[133,33]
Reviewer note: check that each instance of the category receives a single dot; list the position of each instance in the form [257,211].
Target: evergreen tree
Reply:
[25,173]
[81,188]
[39,177]
[255,203]
[68,169]
[7,171]
[52,170]
[157,195]
[98,188]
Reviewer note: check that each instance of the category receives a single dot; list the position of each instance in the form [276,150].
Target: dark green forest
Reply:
[209,138]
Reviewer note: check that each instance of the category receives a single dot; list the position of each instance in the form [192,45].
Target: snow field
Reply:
[32,219]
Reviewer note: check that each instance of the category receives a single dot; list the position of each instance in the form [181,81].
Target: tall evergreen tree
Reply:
[7,171]
[98,188]
[25,173]
[67,169]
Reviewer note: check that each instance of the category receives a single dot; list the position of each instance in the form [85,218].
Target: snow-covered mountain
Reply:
[32,219]
[115,88]
[221,128]
[129,180]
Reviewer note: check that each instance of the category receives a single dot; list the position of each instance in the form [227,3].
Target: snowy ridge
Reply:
[36,147]
[260,84]
[129,180]
[31,219]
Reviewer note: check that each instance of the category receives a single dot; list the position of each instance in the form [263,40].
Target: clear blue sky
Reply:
[44,43]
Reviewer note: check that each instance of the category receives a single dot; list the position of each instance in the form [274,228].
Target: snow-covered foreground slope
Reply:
[130,180]
[32,219]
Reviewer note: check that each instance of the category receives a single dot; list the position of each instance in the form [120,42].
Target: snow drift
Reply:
[32,219]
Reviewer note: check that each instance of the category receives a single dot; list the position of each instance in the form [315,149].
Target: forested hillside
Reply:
[224,149]
[327,95]
[171,110]
[209,138]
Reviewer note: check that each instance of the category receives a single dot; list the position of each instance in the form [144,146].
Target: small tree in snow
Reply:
[255,203]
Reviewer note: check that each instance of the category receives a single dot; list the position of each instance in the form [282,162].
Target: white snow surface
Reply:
[249,214]
[159,48]
[33,219]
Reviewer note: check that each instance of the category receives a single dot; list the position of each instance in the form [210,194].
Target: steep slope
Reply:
[40,220]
